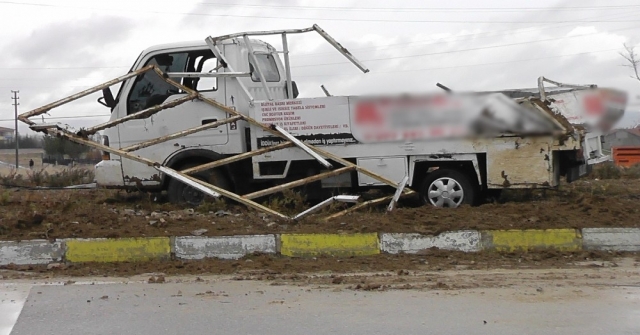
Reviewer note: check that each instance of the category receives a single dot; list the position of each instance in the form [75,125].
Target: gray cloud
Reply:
[74,43]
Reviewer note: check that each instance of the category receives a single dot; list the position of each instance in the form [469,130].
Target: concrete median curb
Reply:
[37,252]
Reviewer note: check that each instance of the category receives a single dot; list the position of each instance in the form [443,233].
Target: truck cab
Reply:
[148,90]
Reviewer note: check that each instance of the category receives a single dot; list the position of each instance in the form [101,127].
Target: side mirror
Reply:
[107,99]
[294,86]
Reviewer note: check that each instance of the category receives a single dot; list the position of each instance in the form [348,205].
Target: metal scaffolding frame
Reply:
[321,155]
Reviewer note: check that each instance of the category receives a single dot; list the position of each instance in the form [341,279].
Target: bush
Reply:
[66,177]
[606,170]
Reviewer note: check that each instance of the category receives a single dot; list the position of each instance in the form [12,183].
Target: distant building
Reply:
[622,138]
[7,134]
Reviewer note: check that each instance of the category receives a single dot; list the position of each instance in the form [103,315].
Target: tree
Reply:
[56,146]
[633,60]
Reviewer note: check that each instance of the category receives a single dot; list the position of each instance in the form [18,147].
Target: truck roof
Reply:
[194,44]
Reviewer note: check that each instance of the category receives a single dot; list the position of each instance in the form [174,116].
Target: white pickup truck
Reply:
[539,135]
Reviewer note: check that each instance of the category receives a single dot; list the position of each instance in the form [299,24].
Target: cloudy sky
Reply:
[53,48]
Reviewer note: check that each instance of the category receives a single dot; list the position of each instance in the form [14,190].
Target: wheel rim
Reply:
[445,192]
[192,196]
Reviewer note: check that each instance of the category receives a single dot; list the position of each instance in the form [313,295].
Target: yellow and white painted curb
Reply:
[117,250]
[301,245]
[310,245]
[523,240]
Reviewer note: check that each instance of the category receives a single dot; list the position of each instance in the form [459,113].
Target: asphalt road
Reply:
[222,306]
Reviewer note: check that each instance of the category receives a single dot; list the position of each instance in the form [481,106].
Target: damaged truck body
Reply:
[223,117]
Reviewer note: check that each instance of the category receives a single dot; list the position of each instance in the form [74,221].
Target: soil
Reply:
[50,214]
[271,267]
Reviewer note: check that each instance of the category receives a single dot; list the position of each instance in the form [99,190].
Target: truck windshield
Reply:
[268,67]
[149,89]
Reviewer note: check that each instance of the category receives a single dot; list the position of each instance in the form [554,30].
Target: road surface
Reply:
[606,301]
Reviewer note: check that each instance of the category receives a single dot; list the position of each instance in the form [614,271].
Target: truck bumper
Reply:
[109,173]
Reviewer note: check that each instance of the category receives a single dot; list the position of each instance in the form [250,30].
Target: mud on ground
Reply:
[329,270]
[29,214]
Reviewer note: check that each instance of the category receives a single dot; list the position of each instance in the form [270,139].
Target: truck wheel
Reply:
[447,188]
[179,192]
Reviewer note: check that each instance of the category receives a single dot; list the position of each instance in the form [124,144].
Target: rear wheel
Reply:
[179,192]
[447,188]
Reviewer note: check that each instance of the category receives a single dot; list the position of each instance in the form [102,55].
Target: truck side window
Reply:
[202,62]
[268,67]
[150,90]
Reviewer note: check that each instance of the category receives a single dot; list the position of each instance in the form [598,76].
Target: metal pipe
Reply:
[143,114]
[263,80]
[207,74]
[179,134]
[287,65]
[198,186]
[216,51]
[297,183]
[236,158]
[25,117]
[340,198]
[75,138]
[324,89]
[261,33]
[340,48]
[303,146]
[396,196]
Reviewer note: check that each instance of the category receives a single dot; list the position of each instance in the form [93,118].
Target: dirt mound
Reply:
[27,214]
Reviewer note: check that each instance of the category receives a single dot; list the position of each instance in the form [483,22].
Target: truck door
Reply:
[149,90]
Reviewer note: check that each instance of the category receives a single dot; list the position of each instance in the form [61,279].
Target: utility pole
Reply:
[15,105]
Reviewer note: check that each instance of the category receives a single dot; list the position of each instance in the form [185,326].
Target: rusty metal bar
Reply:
[287,65]
[207,75]
[303,146]
[168,80]
[216,51]
[322,152]
[543,93]
[230,195]
[180,134]
[297,183]
[315,28]
[236,158]
[340,198]
[324,89]
[263,80]
[396,196]
[158,166]
[359,168]
[38,111]
[143,114]
[340,48]
[174,174]
[357,207]
[261,33]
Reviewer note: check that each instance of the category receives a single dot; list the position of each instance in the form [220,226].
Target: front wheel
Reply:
[179,192]
[447,188]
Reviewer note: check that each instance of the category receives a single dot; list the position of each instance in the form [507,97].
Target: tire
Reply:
[447,188]
[181,193]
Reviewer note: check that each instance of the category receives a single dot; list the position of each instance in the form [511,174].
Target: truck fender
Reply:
[442,159]
[201,156]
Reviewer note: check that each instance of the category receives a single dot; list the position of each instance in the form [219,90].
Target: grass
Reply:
[42,178]
[609,170]
[288,202]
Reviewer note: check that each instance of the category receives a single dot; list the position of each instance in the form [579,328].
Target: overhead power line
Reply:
[465,50]
[414,9]
[465,65]
[404,20]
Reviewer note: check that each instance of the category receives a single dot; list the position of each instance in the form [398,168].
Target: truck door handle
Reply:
[209,121]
